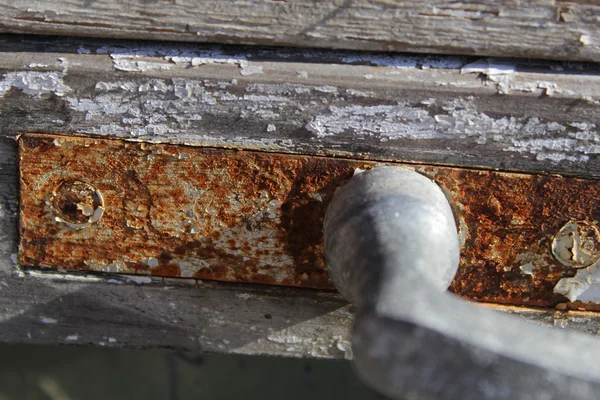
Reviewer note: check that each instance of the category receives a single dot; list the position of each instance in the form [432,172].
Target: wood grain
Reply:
[531,117]
[565,30]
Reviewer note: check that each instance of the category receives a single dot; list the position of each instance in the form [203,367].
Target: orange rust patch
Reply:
[256,217]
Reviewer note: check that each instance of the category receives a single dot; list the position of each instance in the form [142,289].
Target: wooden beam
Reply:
[515,116]
[563,30]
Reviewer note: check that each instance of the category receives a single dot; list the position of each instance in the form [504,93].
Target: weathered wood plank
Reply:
[565,30]
[532,117]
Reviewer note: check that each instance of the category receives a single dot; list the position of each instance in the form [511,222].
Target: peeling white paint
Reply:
[576,244]
[585,40]
[63,277]
[34,83]
[135,58]
[251,70]
[141,109]
[584,286]
[152,262]
[528,269]
[125,64]
[316,196]
[502,74]
[401,121]
[139,280]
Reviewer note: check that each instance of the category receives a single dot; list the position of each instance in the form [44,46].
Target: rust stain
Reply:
[243,216]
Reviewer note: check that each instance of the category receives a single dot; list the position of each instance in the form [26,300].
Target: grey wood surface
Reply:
[540,117]
[509,115]
[558,29]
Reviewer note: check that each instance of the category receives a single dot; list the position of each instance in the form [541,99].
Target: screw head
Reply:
[77,204]
[577,244]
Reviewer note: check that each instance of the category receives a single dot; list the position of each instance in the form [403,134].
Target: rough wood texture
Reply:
[559,29]
[452,111]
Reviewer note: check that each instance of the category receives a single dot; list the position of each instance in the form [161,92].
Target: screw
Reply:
[577,244]
[77,204]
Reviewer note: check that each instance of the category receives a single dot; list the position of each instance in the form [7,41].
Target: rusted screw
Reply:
[577,244]
[77,204]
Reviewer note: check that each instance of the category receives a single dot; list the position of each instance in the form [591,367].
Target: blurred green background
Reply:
[30,372]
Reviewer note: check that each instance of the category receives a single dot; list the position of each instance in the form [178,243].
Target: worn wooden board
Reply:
[501,115]
[244,216]
[559,29]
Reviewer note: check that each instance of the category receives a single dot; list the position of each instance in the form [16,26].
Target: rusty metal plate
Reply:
[239,216]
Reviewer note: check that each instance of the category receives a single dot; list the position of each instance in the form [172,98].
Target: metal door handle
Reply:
[392,249]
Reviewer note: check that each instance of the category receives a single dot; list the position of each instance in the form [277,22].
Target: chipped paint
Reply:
[126,64]
[402,121]
[577,244]
[197,99]
[139,280]
[251,70]
[61,276]
[193,56]
[34,83]
[256,217]
[143,58]
[585,40]
[163,108]
[583,287]
[527,269]
[501,74]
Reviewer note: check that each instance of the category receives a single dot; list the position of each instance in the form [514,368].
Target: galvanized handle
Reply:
[392,249]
